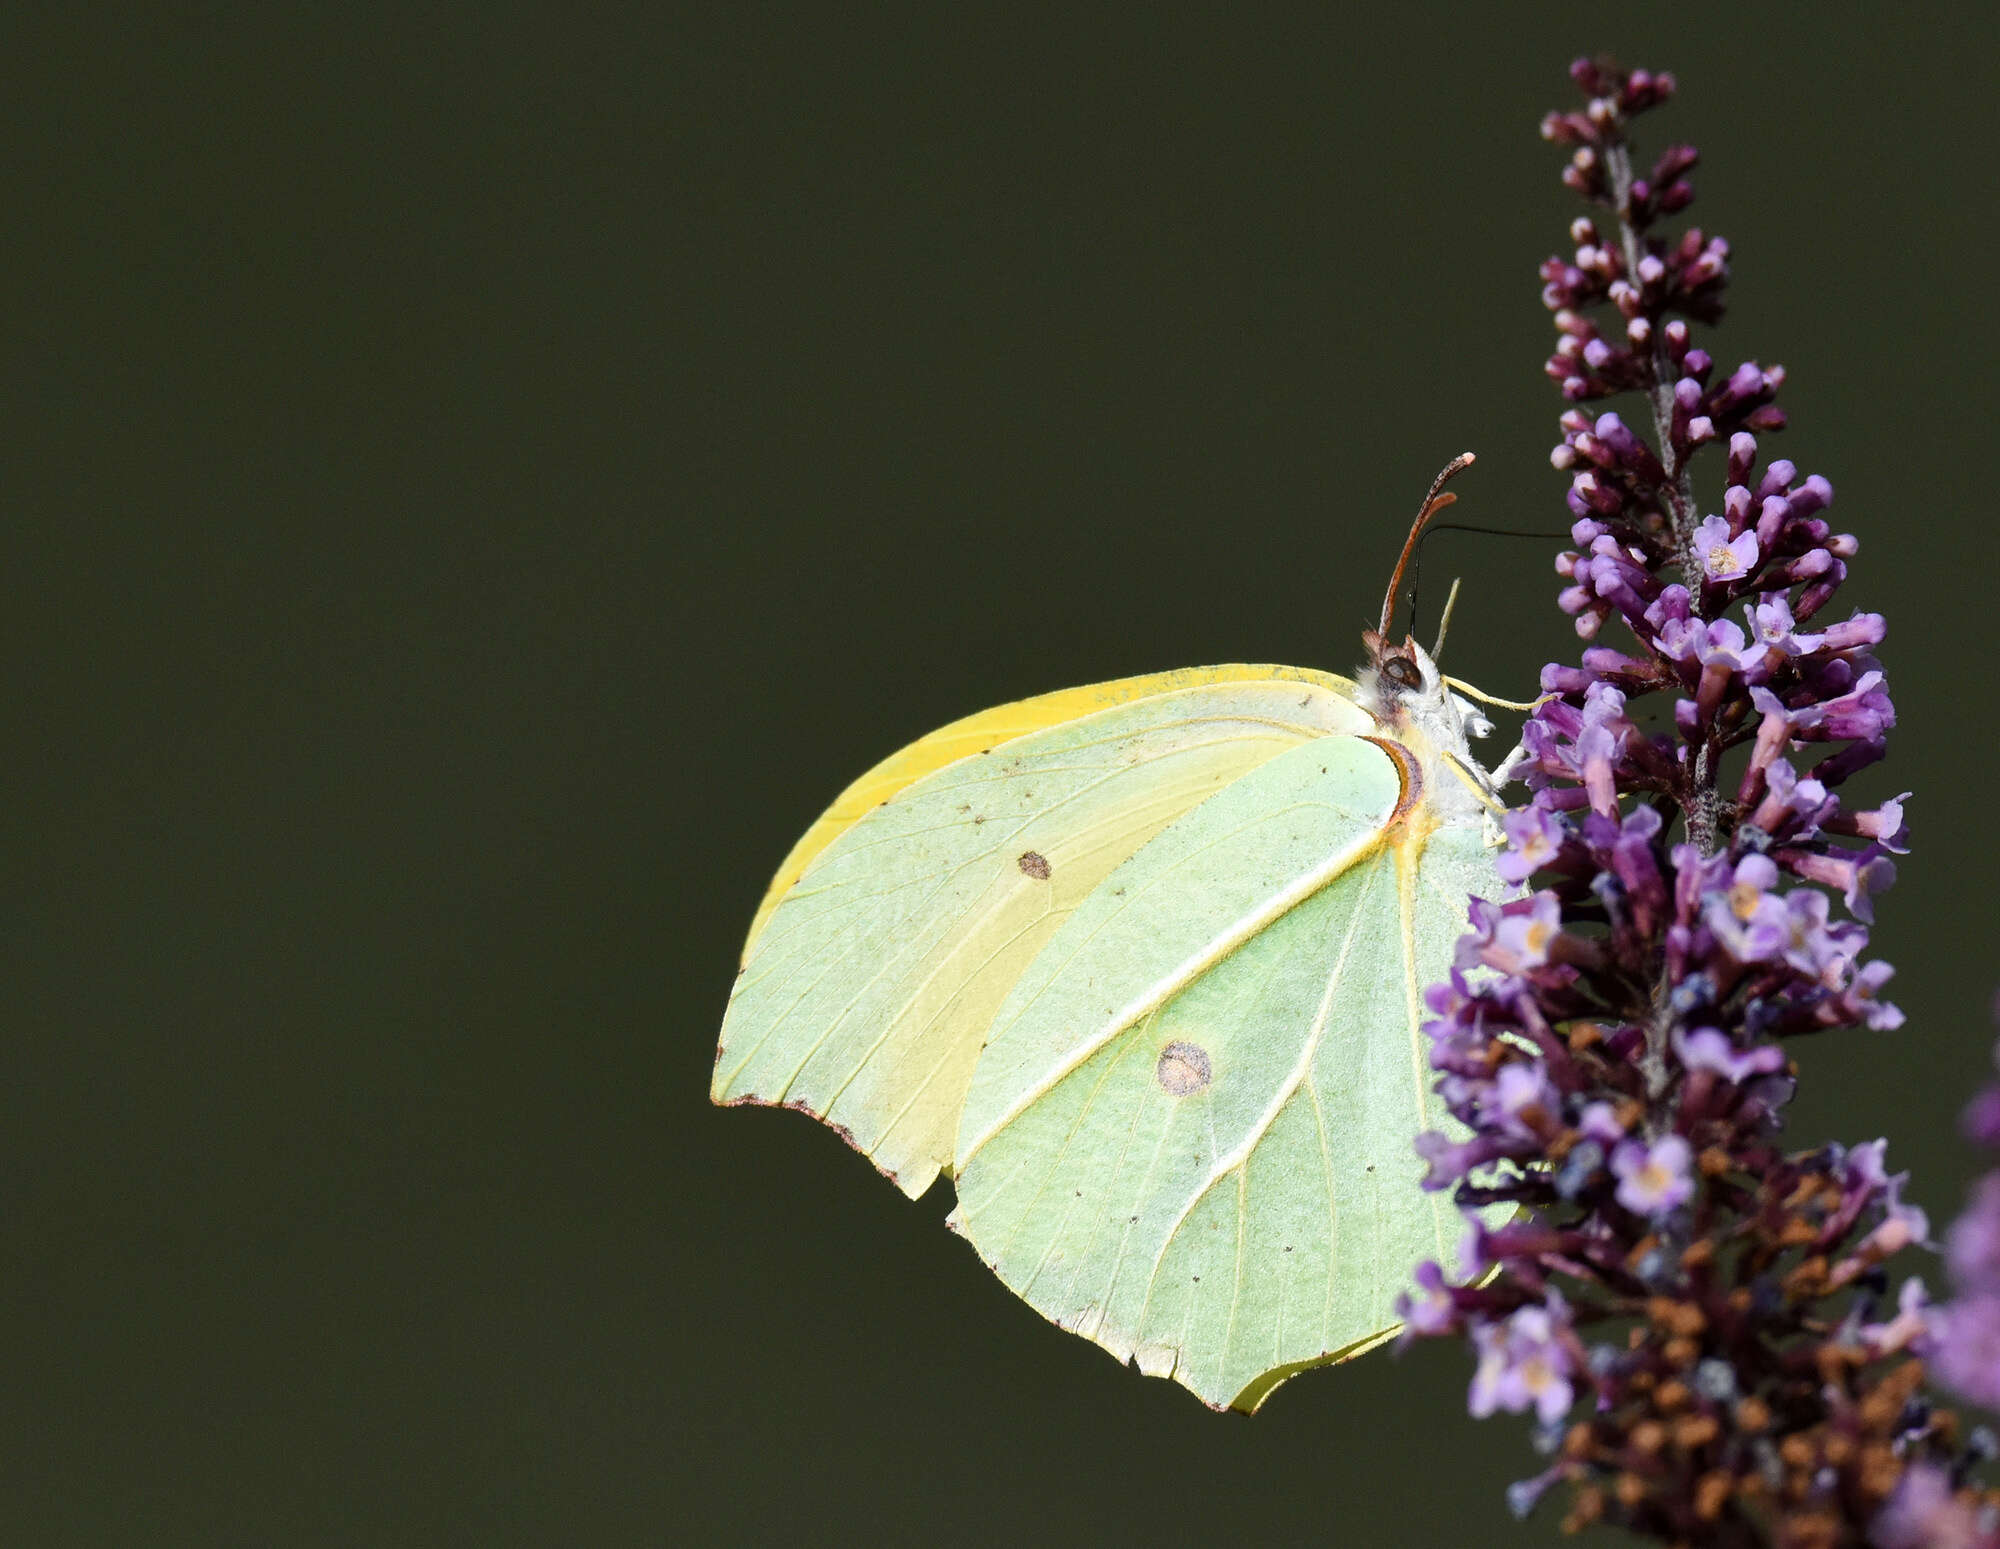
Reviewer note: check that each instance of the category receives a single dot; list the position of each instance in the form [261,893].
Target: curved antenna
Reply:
[1434,502]
[1431,531]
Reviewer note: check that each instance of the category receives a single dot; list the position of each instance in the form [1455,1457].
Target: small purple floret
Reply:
[1524,1363]
[1721,557]
[1654,1180]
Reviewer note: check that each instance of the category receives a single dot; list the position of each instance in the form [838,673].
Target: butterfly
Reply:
[1138,966]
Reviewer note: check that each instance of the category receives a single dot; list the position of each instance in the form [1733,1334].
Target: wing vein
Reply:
[1198,962]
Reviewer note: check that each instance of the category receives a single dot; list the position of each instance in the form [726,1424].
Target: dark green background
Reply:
[477,482]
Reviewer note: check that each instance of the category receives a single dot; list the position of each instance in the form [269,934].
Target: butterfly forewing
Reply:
[866,994]
[988,729]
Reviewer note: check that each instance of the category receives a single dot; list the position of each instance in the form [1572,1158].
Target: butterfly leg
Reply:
[1504,773]
[1508,769]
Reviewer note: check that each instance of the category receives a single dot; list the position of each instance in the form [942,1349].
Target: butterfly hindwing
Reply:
[1189,1136]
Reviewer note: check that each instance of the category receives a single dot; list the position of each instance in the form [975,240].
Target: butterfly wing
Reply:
[904,916]
[1188,1137]
[986,730]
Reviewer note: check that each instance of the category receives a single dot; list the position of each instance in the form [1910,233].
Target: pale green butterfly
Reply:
[1138,965]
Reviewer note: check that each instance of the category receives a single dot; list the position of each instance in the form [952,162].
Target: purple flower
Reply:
[1908,1329]
[1900,1227]
[1811,945]
[1860,633]
[1862,996]
[1884,825]
[1511,938]
[1632,1012]
[1525,1363]
[1522,941]
[1431,1313]
[1709,1048]
[1773,626]
[1722,645]
[1862,713]
[1533,838]
[1654,1180]
[1748,918]
[1870,1188]
[1803,802]
[1965,1347]
[1675,638]
[1861,1169]
[1522,1099]
[1857,876]
[1446,1161]
[1600,735]
[1672,606]
[1964,1344]
[1928,1512]
[1721,557]
[1972,1246]
[1981,1119]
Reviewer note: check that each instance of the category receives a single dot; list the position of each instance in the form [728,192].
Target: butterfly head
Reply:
[1402,687]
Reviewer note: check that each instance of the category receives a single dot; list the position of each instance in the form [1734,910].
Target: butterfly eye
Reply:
[1401,670]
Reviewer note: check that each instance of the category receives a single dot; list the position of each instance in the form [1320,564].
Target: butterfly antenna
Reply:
[1434,502]
[1431,531]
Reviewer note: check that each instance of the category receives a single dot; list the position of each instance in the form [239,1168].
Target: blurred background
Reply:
[478,480]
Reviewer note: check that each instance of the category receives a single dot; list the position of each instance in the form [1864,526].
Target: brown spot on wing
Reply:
[1034,864]
[1183,1069]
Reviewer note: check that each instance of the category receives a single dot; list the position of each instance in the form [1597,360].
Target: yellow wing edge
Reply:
[980,733]
[1251,1399]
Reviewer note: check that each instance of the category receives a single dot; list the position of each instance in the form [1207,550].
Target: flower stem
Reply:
[1699,801]
[1678,486]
